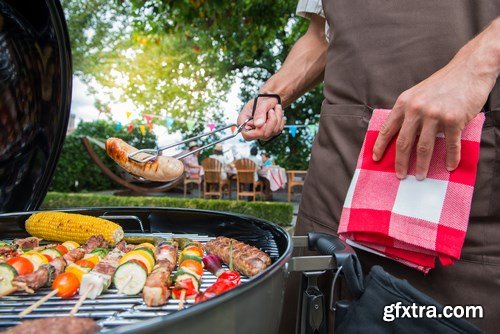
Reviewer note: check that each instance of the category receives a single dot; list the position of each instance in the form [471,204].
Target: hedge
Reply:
[278,213]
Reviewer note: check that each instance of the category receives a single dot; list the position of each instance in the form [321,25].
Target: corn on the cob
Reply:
[61,226]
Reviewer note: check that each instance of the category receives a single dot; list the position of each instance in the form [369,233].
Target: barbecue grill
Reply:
[35,95]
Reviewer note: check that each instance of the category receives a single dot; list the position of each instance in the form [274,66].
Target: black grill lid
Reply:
[35,99]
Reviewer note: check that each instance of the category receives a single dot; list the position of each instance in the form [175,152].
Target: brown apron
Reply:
[377,50]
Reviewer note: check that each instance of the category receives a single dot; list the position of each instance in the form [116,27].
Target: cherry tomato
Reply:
[63,250]
[230,275]
[186,284]
[67,285]
[22,265]
[139,262]
[193,266]
[85,263]
[177,293]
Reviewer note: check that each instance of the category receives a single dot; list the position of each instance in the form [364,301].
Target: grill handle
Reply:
[344,255]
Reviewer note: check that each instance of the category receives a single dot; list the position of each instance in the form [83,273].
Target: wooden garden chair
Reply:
[295,178]
[194,181]
[213,184]
[245,178]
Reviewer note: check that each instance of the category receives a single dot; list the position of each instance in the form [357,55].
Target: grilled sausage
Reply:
[162,169]
[246,259]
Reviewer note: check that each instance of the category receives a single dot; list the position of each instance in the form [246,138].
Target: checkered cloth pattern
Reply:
[413,222]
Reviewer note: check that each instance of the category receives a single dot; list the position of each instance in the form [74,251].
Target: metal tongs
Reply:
[154,153]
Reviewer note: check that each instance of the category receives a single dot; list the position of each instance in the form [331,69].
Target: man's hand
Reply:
[444,102]
[268,119]
[302,70]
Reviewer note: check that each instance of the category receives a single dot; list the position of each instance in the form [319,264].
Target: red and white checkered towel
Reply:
[413,222]
[276,176]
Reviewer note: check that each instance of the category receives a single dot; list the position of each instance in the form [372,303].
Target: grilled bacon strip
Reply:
[156,291]
[247,259]
[44,275]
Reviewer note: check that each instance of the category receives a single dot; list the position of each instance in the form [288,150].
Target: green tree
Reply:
[179,57]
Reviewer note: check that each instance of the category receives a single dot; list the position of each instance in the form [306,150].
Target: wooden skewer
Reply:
[129,279]
[80,301]
[182,299]
[8,292]
[31,308]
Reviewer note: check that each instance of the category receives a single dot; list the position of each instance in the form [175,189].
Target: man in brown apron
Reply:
[378,50]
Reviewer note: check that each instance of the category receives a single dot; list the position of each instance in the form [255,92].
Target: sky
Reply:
[83,108]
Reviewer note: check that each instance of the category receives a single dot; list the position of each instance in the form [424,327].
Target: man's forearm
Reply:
[484,51]
[304,66]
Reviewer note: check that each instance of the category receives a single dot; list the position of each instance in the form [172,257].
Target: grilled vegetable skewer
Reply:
[99,279]
[65,286]
[187,280]
[46,272]
[130,277]
[155,291]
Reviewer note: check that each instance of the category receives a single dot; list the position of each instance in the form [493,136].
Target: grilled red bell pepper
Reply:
[219,287]
[230,275]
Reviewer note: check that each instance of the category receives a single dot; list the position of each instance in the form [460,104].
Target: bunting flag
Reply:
[211,126]
[130,128]
[148,118]
[128,114]
[313,128]
[169,122]
[150,125]
[118,126]
[233,128]
[293,130]
[142,128]
[190,125]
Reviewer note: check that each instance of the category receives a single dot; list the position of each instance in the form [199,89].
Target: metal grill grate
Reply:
[109,310]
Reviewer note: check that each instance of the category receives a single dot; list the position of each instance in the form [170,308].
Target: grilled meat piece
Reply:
[94,242]
[105,268]
[74,255]
[69,325]
[156,291]
[59,265]
[122,246]
[7,251]
[247,259]
[27,243]
[41,277]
